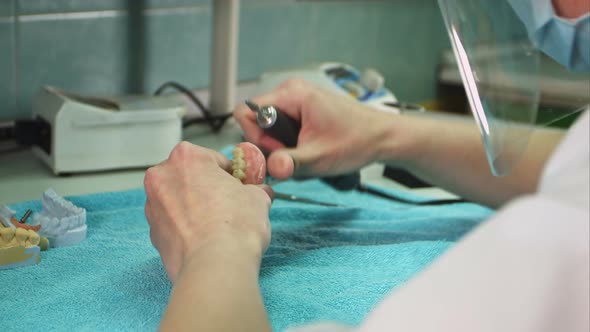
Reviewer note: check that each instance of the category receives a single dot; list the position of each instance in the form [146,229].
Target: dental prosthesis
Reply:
[249,164]
[20,244]
[63,223]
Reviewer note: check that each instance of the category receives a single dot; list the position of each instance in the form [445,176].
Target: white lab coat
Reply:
[526,269]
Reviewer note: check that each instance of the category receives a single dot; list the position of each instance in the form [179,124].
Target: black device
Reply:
[405,178]
[285,129]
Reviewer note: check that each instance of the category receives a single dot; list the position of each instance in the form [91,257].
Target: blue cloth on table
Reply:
[323,263]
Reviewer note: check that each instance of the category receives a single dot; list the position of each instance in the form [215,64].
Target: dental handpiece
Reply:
[286,130]
[277,124]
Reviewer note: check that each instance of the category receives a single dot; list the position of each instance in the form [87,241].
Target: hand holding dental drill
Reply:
[209,226]
[339,135]
[332,130]
[524,269]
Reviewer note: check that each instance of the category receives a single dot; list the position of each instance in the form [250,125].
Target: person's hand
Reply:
[338,134]
[194,204]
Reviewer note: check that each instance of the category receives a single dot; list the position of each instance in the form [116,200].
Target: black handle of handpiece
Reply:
[286,130]
[344,182]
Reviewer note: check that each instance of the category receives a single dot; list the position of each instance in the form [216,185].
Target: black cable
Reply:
[7,133]
[220,118]
[216,122]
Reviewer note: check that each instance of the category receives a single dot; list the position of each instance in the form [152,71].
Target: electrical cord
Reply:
[216,122]
[7,133]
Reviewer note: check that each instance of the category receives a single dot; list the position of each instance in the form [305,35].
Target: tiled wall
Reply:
[95,47]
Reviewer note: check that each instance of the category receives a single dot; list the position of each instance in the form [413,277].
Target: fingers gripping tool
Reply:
[286,130]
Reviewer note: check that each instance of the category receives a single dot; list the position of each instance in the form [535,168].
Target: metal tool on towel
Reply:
[294,198]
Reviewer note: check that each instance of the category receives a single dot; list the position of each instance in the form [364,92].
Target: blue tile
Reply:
[7,8]
[93,56]
[84,56]
[270,39]
[176,3]
[178,48]
[412,39]
[343,33]
[91,53]
[8,109]
[402,40]
[27,7]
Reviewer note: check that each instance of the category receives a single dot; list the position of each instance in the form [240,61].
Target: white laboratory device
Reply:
[367,86]
[80,134]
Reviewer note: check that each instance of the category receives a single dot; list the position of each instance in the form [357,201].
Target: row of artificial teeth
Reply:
[54,226]
[238,165]
[11,237]
[56,206]
[58,215]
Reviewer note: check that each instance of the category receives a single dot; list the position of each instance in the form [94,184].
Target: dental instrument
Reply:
[294,198]
[25,216]
[285,129]
[276,124]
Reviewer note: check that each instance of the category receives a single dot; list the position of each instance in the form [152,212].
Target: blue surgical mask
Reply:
[566,41]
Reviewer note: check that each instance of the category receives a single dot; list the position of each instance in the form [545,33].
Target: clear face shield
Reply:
[500,70]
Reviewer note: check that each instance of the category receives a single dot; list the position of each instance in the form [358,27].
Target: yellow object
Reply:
[18,237]
[15,255]
[20,247]
[6,235]
[238,164]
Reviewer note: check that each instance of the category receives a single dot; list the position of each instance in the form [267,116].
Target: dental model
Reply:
[9,214]
[249,164]
[63,223]
[20,245]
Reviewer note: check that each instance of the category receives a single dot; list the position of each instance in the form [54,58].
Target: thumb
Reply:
[297,162]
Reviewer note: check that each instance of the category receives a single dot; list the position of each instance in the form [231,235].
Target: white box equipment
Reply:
[82,134]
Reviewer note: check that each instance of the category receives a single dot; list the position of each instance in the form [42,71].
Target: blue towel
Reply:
[323,263]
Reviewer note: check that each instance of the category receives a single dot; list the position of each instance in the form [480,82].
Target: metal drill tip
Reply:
[25,217]
[252,106]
